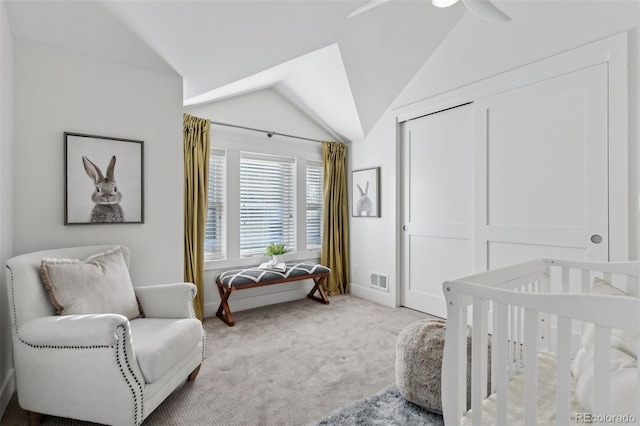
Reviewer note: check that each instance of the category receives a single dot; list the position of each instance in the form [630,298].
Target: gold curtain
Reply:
[335,216]
[196,175]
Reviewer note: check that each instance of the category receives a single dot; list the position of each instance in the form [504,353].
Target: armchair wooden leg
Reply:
[34,418]
[194,374]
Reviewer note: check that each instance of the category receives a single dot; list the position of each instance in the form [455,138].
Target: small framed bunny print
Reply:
[366,192]
[103,180]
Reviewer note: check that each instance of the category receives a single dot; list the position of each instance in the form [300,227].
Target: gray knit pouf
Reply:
[419,351]
[419,363]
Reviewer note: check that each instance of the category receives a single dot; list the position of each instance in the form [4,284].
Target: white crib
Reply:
[535,313]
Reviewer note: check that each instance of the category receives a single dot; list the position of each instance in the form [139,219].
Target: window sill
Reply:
[257,260]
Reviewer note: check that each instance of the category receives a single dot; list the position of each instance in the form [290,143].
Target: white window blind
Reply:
[266,203]
[314,205]
[214,244]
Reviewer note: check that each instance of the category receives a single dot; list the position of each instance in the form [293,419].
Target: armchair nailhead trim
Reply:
[193,296]
[204,344]
[121,336]
[193,315]
[65,347]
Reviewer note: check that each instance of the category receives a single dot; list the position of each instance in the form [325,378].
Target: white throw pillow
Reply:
[623,365]
[620,339]
[98,285]
[624,384]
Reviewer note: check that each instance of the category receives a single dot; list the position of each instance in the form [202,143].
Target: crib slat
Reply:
[563,392]
[521,363]
[638,402]
[493,353]
[531,366]
[585,282]
[502,360]
[544,327]
[462,360]
[602,356]
[513,340]
[518,354]
[479,360]
[451,390]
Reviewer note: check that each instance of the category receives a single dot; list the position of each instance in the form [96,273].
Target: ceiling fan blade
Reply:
[486,10]
[369,5]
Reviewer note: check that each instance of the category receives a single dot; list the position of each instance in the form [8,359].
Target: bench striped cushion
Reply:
[239,277]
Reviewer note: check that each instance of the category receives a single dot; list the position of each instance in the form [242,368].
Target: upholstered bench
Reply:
[239,279]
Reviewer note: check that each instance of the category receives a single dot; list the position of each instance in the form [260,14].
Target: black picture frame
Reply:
[104,180]
[365,186]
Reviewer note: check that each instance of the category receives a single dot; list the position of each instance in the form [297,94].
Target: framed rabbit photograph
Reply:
[366,192]
[103,180]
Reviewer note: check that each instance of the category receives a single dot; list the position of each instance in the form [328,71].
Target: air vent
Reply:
[379,280]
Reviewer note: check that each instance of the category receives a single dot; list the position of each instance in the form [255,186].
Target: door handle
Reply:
[405,227]
[596,239]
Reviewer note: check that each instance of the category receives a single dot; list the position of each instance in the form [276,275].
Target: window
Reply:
[214,244]
[257,196]
[267,193]
[314,205]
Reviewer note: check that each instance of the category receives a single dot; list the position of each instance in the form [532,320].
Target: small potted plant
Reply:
[276,250]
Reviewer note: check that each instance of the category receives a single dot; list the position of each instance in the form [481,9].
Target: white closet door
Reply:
[437,173]
[541,171]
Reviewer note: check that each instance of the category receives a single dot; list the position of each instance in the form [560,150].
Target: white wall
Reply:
[267,110]
[58,90]
[263,109]
[7,383]
[476,50]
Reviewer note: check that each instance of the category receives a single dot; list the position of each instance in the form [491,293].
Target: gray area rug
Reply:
[385,408]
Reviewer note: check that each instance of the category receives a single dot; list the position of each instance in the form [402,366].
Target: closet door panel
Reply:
[437,173]
[537,151]
[541,175]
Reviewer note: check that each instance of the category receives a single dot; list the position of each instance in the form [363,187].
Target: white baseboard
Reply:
[377,296]
[6,391]
[239,303]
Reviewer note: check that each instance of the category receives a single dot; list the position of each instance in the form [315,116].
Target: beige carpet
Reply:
[286,364]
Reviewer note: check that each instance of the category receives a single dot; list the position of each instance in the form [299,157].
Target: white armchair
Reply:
[102,368]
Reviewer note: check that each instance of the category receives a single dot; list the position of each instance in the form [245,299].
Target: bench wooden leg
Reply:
[319,288]
[224,312]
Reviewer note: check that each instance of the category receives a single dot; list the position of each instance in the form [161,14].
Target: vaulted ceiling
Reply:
[342,72]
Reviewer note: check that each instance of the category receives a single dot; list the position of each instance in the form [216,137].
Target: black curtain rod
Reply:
[269,133]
